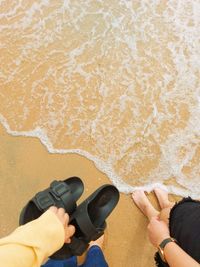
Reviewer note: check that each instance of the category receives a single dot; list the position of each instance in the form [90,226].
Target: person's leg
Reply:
[71,262]
[95,257]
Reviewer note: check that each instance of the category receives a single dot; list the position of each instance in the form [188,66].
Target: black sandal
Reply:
[89,220]
[62,194]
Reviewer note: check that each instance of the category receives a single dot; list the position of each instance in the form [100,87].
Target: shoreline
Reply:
[27,167]
[122,186]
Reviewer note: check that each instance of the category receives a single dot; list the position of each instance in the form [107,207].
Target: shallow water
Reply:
[116,81]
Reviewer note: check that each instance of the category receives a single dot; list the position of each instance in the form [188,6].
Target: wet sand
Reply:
[27,167]
[116,80]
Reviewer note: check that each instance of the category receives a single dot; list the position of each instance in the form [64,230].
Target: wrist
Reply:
[163,245]
[160,240]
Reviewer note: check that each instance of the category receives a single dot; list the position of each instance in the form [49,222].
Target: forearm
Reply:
[30,244]
[14,255]
[176,257]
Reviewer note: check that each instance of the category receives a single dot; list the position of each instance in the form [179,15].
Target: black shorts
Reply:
[184,226]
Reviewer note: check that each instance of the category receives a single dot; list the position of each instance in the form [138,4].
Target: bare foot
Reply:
[162,197]
[99,242]
[144,204]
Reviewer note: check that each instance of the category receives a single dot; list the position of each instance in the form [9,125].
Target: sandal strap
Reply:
[77,246]
[89,231]
[43,200]
[61,190]
[86,226]
[59,194]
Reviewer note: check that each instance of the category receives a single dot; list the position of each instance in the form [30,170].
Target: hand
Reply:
[157,231]
[64,219]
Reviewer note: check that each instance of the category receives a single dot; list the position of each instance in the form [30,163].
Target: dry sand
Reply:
[27,167]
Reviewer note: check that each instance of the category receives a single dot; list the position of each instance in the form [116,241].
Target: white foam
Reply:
[102,166]
[121,72]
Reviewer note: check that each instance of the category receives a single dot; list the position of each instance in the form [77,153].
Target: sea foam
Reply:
[114,81]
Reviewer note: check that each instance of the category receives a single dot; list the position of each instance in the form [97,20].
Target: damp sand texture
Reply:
[114,81]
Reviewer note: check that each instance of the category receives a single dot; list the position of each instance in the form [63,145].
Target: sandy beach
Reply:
[104,90]
[27,167]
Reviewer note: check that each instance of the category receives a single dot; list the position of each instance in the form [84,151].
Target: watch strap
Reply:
[166,241]
[162,246]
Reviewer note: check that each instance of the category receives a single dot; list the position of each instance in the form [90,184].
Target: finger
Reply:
[53,209]
[61,212]
[71,230]
[68,240]
[60,215]
[66,218]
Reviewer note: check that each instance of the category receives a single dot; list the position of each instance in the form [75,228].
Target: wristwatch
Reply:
[162,245]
